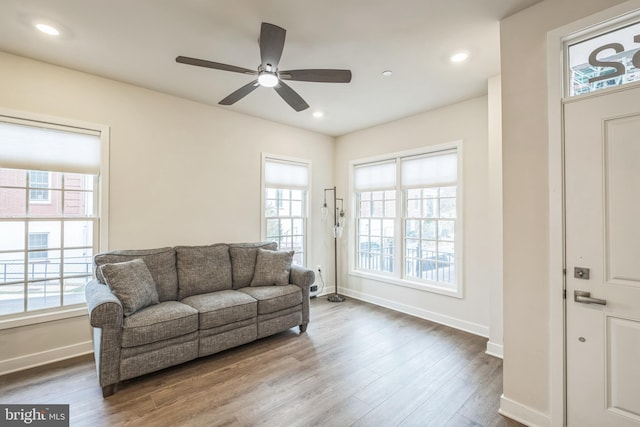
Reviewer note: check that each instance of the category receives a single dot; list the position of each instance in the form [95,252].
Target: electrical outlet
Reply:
[314,288]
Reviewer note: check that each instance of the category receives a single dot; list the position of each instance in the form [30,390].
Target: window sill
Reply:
[421,286]
[26,319]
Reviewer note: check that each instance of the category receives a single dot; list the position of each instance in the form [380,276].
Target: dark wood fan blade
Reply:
[271,45]
[291,97]
[240,93]
[215,65]
[323,76]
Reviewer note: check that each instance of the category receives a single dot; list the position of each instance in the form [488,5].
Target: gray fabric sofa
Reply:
[196,301]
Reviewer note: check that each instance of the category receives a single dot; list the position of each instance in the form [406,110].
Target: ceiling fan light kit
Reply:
[268,79]
[271,46]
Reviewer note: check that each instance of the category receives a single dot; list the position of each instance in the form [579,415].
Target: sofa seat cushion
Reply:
[161,263]
[274,298]
[222,307]
[203,269]
[159,322]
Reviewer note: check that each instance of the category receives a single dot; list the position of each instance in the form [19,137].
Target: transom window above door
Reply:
[604,60]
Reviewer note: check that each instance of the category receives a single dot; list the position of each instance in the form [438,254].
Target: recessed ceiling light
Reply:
[318,114]
[48,29]
[459,57]
[387,73]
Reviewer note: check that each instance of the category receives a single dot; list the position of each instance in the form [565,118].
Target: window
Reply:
[39,186]
[407,225]
[38,245]
[49,221]
[604,60]
[375,216]
[429,231]
[376,210]
[285,205]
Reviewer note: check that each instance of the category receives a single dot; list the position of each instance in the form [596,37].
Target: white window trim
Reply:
[48,315]
[397,277]
[263,221]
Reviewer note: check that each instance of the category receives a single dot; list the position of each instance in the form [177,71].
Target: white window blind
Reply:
[374,176]
[45,148]
[278,173]
[431,170]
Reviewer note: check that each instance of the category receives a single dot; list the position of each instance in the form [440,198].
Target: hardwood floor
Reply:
[357,365]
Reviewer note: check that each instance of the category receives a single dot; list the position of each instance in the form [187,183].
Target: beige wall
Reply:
[466,121]
[526,226]
[180,173]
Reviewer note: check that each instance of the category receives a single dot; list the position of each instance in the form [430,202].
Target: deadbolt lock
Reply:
[581,273]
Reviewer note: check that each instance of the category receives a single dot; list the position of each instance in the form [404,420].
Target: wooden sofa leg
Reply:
[303,328]
[108,390]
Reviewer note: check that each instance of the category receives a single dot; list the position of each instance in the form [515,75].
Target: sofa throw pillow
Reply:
[132,283]
[243,261]
[272,268]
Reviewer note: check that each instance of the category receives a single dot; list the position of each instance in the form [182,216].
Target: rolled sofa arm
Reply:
[106,317]
[105,309]
[302,277]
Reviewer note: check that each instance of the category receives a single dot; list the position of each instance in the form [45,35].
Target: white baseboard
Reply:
[462,325]
[495,350]
[45,357]
[522,413]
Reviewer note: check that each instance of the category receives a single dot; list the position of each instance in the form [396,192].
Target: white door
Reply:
[602,191]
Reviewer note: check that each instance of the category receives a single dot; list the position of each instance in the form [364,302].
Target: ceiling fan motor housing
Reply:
[271,46]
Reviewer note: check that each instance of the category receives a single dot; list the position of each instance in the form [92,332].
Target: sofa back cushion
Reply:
[203,269]
[161,263]
[243,261]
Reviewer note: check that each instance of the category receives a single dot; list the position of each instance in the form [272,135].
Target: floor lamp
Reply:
[338,227]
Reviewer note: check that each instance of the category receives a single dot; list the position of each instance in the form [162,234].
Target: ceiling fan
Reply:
[271,46]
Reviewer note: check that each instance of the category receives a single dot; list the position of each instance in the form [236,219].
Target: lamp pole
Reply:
[338,218]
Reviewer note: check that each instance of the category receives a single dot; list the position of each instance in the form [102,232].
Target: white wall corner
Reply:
[495,219]
[522,413]
[494,349]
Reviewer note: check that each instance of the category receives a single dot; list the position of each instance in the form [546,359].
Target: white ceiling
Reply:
[136,41]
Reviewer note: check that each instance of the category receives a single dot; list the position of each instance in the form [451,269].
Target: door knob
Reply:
[585,298]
